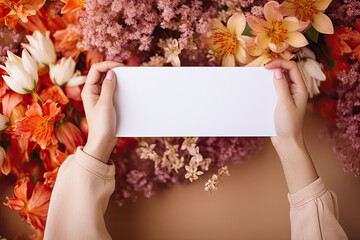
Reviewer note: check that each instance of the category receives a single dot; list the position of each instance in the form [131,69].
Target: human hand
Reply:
[289,116]
[97,97]
[291,105]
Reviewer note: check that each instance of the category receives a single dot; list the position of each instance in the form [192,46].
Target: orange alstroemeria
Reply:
[19,10]
[38,123]
[72,5]
[71,136]
[228,43]
[310,11]
[33,209]
[277,32]
[56,94]
[50,176]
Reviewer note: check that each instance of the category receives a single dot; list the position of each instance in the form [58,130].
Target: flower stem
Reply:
[8,4]
[37,95]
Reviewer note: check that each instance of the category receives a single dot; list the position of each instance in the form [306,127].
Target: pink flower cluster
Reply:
[9,41]
[121,26]
[346,135]
[344,12]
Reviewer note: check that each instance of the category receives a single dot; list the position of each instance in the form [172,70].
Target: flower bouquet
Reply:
[41,113]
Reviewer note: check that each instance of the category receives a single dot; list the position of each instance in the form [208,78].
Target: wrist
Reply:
[100,150]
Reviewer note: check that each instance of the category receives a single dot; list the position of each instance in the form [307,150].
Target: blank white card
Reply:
[194,101]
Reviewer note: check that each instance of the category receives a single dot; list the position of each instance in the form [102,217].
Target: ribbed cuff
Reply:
[308,193]
[93,165]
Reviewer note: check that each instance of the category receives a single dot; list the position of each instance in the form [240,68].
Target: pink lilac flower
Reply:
[344,12]
[346,134]
[10,40]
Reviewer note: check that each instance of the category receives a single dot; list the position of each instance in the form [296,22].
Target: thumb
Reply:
[281,86]
[108,88]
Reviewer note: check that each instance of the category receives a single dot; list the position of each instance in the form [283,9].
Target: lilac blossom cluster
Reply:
[346,134]
[119,27]
[9,41]
[344,12]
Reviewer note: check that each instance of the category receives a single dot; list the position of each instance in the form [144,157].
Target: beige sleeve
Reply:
[314,213]
[79,199]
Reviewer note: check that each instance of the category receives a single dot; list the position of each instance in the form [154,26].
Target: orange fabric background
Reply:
[250,204]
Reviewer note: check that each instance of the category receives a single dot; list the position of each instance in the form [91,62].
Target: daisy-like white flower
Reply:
[172,50]
[212,183]
[192,173]
[189,143]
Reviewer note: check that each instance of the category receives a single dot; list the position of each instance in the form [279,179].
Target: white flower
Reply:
[4,122]
[41,48]
[172,51]
[192,173]
[2,155]
[63,74]
[23,75]
[310,70]
[212,183]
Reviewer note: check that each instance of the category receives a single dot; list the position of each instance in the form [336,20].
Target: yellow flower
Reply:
[227,42]
[277,32]
[309,11]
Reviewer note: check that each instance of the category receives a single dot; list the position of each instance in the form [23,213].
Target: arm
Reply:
[313,212]
[85,180]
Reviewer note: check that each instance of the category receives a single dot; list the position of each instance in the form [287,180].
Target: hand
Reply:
[97,97]
[289,116]
[292,99]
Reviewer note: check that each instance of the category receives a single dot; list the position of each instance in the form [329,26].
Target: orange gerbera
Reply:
[38,123]
[33,209]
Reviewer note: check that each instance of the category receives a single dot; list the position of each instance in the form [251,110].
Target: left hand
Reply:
[97,97]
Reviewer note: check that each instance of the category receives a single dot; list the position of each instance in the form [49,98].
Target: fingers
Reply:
[281,87]
[108,88]
[96,70]
[298,88]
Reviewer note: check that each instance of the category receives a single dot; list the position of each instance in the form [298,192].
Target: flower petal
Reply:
[292,24]
[13,85]
[321,5]
[296,39]
[263,40]
[216,24]
[30,66]
[278,48]
[270,12]
[256,24]
[314,69]
[236,24]
[260,61]
[228,60]
[287,8]
[322,23]
[240,55]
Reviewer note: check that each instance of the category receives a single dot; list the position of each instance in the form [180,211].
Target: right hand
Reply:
[291,105]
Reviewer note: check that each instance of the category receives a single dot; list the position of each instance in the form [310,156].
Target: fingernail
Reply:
[110,75]
[278,74]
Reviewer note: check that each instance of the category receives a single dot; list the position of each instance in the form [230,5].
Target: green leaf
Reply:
[312,34]
[247,31]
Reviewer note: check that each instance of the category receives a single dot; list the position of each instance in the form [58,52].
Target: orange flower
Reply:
[309,11]
[38,124]
[34,209]
[72,5]
[20,10]
[277,32]
[56,94]
[50,177]
[71,136]
[66,38]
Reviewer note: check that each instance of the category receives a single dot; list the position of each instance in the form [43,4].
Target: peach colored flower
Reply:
[227,43]
[310,11]
[50,177]
[72,5]
[277,32]
[66,38]
[38,123]
[192,173]
[4,122]
[33,209]
[70,135]
[267,55]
